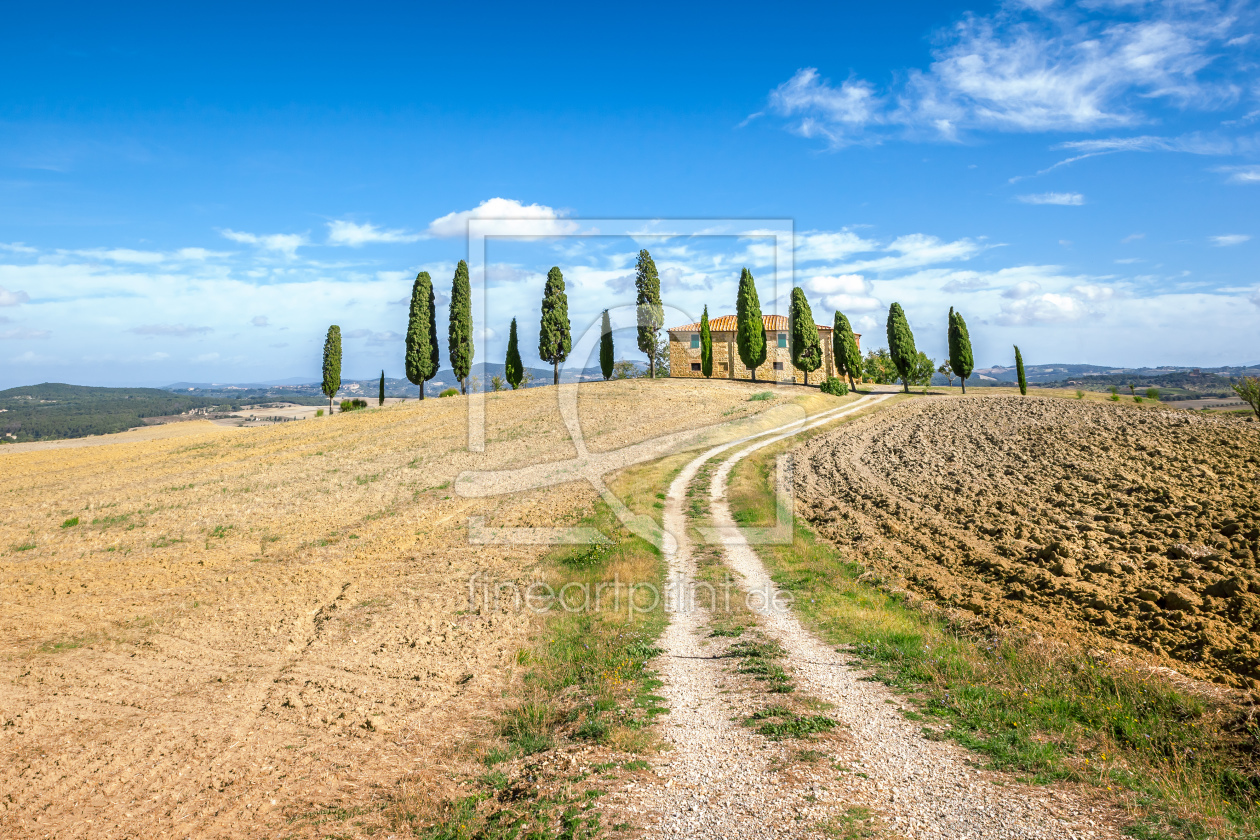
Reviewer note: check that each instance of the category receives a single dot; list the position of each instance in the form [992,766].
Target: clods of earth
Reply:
[1120,527]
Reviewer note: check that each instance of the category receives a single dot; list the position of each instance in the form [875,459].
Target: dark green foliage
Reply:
[450,392]
[706,345]
[960,358]
[1248,389]
[750,329]
[422,343]
[353,405]
[460,335]
[834,386]
[554,338]
[806,348]
[332,364]
[651,313]
[380,400]
[512,367]
[1019,372]
[53,411]
[901,344]
[878,367]
[844,349]
[606,348]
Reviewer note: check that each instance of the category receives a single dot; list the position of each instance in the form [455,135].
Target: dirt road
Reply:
[723,780]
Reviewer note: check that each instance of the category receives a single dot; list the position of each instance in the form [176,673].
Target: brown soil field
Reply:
[1124,528]
[247,628]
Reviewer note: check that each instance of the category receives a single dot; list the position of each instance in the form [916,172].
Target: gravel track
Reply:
[722,780]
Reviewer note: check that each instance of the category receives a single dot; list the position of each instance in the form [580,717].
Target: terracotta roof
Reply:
[726,323]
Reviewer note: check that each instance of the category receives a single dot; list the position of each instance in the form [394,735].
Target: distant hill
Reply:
[53,410]
[1172,382]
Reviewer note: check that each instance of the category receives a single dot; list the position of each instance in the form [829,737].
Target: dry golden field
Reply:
[246,626]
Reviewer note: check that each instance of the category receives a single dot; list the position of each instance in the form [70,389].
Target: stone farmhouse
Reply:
[684,352]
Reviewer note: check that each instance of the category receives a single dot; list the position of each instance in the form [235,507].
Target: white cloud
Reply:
[1229,239]
[32,358]
[456,224]
[1034,66]
[122,255]
[376,338]
[1066,199]
[8,298]
[175,330]
[284,243]
[820,245]
[1132,237]
[1046,308]
[845,292]
[206,357]
[261,321]
[199,254]
[18,248]
[915,250]
[1022,289]
[1255,298]
[19,335]
[356,235]
[1241,174]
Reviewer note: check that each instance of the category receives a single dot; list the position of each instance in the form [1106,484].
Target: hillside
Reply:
[53,410]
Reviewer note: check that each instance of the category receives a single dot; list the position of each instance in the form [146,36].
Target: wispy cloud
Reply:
[284,243]
[18,248]
[261,321]
[1228,239]
[1063,198]
[24,334]
[377,338]
[1241,174]
[1034,66]
[456,224]
[355,235]
[173,330]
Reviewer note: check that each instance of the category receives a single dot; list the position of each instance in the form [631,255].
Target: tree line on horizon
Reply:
[900,361]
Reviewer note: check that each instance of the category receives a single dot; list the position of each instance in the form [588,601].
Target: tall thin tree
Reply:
[332,365]
[651,313]
[1019,372]
[901,344]
[806,346]
[460,335]
[750,328]
[513,370]
[844,349]
[960,358]
[554,338]
[706,344]
[421,343]
[380,400]
[606,348]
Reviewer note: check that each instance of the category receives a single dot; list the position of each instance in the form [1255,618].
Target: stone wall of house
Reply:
[685,361]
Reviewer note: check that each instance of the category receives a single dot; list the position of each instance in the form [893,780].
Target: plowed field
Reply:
[1118,527]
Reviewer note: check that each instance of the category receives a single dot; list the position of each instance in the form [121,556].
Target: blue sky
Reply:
[196,192]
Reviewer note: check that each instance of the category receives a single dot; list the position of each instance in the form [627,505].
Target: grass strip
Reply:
[1183,766]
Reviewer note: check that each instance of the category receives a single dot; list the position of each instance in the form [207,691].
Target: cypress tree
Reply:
[606,348]
[513,370]
[380,400]
[1019,372]
[421,359]
[651,312]
[901,344]
[960,358]
[806,347]
[554,340]
[460,343]
[332,364]
[844,348]
[706,345]
[750,330]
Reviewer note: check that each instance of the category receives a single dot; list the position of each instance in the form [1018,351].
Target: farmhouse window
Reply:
[721,365]
[695,341]
[778,365]
[695,366]
[782,343]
